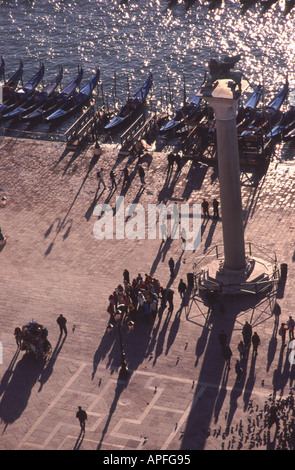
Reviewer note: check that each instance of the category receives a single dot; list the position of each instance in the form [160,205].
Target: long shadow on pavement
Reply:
[17,392]
[213,375]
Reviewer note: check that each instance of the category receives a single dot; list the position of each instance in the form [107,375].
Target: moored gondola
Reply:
[188,111]
[270,114]
[133,104]
[55,101]
[36,99]
[23,93]
[246,112]
[73,103]
[285,126]
[12,82]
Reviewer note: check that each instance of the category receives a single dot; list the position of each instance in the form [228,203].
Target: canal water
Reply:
[127,41]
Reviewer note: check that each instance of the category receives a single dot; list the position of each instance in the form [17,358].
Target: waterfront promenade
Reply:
[179,395]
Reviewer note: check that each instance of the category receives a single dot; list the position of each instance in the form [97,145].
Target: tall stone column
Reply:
[225,104]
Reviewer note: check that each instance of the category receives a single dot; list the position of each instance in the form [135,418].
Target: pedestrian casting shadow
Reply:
[162,252]
[93,204]
[119,389]
[62,224]
[79,440]
[221,395]
[159,342]
[208,240]
[195,178]
[48,369]
[234,396]
[281,373]
[272,347]
[105,345]
[250,382]
[176,269]
[18,390]
[213,365]
[202,340]
[173,330]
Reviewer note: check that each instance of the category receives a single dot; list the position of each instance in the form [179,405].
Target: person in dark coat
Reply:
[247,334]
[177,160]
[113,179]
[141,173]
[126,276]
[170,159]
[215,209]
[82,416]
[163,296]
[171,266]
[205,207]
[238,369]
[61,321]
[126,179]
[181,288]
[255,342]
[169,298]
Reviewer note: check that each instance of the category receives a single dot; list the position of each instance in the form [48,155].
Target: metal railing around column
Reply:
[252,250]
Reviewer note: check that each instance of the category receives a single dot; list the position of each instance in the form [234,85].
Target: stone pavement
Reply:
[180,395]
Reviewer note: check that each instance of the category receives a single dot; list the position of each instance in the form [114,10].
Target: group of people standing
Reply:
[243,348]
[205,208]
[139,296]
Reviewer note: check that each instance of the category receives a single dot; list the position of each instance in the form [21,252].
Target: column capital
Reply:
[224,109]
[223,98]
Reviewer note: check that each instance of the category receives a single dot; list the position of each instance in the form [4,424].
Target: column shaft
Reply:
[230,194]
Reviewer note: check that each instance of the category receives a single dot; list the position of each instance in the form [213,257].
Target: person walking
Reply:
[18,336]
[205,207]
[170,159]
[141,173]
[99,176]
[255,342]
[177,159]
[277,312]
[215,209]
[239,370]
[282,332]
[242,350]
[113,179]
[169,298]
[247,334]
[82,417]
[163,297]
[126,276]
[291,325]
[126,179]
[181,288]
[171,266]
[61,321]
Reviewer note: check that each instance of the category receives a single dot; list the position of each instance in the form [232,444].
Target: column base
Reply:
[257,276]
